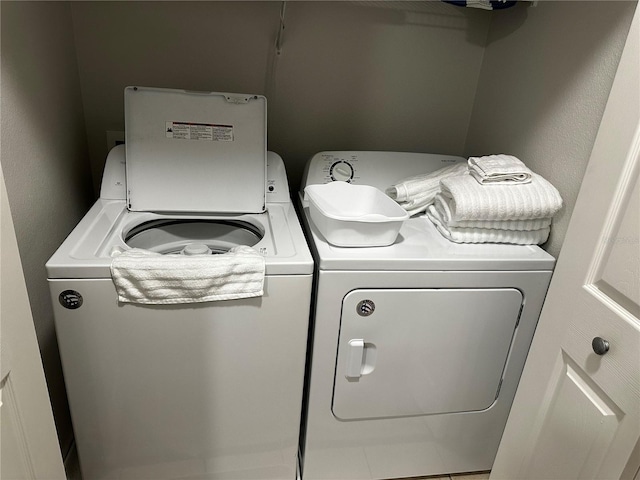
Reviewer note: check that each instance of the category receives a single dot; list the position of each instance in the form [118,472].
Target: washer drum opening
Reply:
[176,236]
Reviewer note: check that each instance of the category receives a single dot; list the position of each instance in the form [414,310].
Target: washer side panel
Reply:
[181,390]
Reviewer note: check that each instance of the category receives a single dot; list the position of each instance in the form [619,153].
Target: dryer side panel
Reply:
[406,352]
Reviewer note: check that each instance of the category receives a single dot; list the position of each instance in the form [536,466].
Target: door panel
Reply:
[596,419]
[576,414]
[615,275]
[422,351]
[29,446]
[17,464]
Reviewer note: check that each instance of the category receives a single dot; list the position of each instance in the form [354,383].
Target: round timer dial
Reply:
[341,171]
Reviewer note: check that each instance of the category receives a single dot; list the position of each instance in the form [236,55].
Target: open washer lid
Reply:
[195,151]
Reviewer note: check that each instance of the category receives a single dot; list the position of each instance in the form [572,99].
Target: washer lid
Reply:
[195,151]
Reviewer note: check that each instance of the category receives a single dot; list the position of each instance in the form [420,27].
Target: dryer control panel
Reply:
[378,169]
[329,167]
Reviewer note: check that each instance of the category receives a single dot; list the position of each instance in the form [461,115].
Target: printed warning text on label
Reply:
[199,131]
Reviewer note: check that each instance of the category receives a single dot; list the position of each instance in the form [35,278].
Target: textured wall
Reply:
[44,159]
[208,46]
[375,76]
[543,89]
[366,75]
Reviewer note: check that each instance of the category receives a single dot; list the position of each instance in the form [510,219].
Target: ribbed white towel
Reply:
[487,235]
[468,200]
[141,276]
[499,169]
[415,193]
[418,204]
[441,204]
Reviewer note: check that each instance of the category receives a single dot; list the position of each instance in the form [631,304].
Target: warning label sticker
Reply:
[199,131]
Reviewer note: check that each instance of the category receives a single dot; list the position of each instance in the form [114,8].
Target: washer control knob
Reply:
[600,345]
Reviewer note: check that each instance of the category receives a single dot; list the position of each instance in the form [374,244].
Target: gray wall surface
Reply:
[543,89]
[368,75]
[44,159]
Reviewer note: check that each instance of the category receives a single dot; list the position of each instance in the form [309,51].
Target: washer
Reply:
[194,391]
[416,349]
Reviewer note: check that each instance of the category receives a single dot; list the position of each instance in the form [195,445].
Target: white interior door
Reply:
[28,442]
[576,414]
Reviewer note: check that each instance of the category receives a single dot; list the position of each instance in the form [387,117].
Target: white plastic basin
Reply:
[354,215]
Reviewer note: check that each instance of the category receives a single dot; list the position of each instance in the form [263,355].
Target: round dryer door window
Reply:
[193,236]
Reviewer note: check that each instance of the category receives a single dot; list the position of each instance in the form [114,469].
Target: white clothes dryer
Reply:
[194,391]
[416,349]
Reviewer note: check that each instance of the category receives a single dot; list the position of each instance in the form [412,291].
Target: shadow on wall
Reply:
[32,217]
[542,90]
[437,14]
[351,75]
[518,15]
[392,76]
[44,159]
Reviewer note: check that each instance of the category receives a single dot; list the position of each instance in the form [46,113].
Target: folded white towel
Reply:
[486,235]
[441,204]
[468,200]
[499,169]
[415,193]
[141,276]
[418,203]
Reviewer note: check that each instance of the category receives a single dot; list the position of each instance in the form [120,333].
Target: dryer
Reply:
[416,349]
[193,391]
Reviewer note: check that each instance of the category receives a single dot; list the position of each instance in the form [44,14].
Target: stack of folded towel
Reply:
[499,201]
[491,199]
[416,193]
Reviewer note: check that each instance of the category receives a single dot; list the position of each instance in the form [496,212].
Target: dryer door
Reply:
[422,351]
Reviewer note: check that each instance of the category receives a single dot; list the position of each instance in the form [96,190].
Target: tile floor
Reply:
[464,476]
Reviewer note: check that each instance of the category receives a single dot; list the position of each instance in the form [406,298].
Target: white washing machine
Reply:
[416,349]
[194,391]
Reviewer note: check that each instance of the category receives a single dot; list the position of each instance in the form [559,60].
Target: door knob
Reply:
[600,345]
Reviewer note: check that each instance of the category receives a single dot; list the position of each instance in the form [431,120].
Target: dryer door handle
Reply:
[355,358]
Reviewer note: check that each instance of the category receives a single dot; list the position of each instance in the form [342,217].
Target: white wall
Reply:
[371,75]
[44,158]
[543,89]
